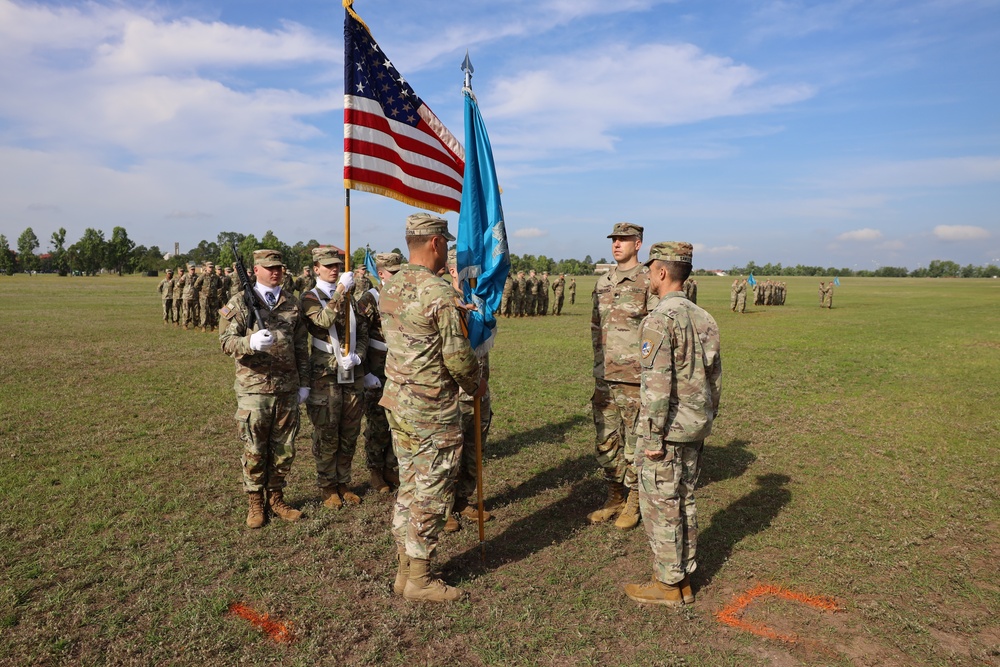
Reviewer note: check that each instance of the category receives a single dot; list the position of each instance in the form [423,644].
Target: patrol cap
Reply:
[671,251]
[326,255]
[209,265]
[425,224]
[626,229]
[389,261]
[170,270]
[191,265]
[267,258]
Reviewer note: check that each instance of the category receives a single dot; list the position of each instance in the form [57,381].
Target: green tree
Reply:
[118,251]
[26,245]
[59,252]
[6,257]
[88,253]
[357,258]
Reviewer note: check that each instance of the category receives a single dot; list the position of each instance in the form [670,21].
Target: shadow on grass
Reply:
[751,514]
[548,434]
[722,463]
[550,525]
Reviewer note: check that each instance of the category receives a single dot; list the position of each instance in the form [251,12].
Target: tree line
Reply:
[94,253]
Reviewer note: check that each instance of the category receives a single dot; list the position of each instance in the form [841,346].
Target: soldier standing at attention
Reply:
[505,299]
[272,378]
[558,287]
[732,295]
[522,294]
[190,297]
[336,400]
[622,298]
[828,297]
[741,296]
[543,294]
[822,294]
[429,360]
[572,291]
[178,295]
[532,304]
[166,290]
[208,289]
[379,457]
[681,386]
[362,283]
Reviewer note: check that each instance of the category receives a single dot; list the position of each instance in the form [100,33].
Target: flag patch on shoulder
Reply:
[647,348]
[225,312]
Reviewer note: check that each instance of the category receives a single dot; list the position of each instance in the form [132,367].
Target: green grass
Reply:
[855,457]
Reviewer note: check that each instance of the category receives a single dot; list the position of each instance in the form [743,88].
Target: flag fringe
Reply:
[348,5]
[387,192]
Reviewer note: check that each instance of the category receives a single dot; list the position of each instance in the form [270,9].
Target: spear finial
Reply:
[468,69]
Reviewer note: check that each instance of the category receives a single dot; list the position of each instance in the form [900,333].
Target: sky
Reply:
[848,133]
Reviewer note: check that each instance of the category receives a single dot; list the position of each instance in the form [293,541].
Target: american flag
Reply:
[394,145]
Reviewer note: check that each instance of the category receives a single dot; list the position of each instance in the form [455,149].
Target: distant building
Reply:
[603,268]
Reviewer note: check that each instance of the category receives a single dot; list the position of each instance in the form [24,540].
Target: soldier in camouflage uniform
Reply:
[362,283]
[207,285]
[558,289]
[732,294]
[305,282]
[166,290]
[429,360]
[190,296]
[506,300]
[522,294]
[741,296]
[622,297]
[225,285]
[178,296]
[572,291]
[828,297]
[681,385]
[531,305]
[468,478]
[381,460]
[272,378]
[543,294]
[336,402]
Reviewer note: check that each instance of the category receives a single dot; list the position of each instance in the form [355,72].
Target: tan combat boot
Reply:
[471,512]
[452,525]
[348,495]
[402,573]
[629,517]
[420,585]
[612,506]
[330,498]
[391,475]
[656,592]
[276,499]
[377,482]
[686,592]
[255,515]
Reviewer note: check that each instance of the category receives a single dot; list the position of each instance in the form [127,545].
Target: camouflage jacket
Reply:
[681,373]
[367,307]
[558,286]
[621,300]
[429,356]
[190,284]
[225,288]
[319,319]
[178,288]
[207,286]
[284,367]
[166,288]
[522,285]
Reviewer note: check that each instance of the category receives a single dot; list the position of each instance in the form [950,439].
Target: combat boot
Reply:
[402,573]
[470,511]
[629,517]
[276,499]
[391,475]
[612,506]
[347,495]
[686,592]
[377,482]
[330,499]
[255,515]
[420,585]
[452,525]
[656,592]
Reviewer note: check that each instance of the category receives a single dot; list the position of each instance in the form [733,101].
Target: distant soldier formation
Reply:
[528,295]
[767,293]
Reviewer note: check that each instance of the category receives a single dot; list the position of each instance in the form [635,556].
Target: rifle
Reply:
[251,303]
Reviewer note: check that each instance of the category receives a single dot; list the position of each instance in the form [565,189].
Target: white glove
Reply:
[349,361]
[347,280]
[372,382]
[261,340]
[303,394]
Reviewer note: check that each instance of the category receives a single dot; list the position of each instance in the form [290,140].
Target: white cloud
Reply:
[960,233]
[866,234]
[529,233]
[701,248]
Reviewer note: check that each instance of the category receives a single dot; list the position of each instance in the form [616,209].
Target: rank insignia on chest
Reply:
[647,348]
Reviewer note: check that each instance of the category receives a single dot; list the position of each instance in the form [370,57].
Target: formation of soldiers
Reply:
[528,295]
[767,293]
[826,295]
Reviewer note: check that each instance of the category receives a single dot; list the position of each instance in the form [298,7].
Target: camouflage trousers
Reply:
[178,310]
[209,313]
[465,485]
[616,414]
[190,312]
[732,301]
[429,457]
[378,439]
[666,502]
[505,302]
[572,298]
[267,425]
[168,310]
[335,412]
[557,309]
[543,305]
[741,303]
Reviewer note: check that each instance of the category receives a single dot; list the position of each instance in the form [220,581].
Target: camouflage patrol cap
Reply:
[170,270]
[389,261]
[267,258]
[671,251]
[626,229]
[209,265]
[425,224]
[326,255]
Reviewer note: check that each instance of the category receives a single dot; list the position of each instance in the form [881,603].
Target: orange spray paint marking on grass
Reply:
[278,631]
[730,615]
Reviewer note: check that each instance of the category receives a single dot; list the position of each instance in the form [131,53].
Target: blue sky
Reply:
[846,133]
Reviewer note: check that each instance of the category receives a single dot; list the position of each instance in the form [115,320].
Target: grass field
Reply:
[854,458]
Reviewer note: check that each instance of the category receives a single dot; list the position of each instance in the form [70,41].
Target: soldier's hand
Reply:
[481,389]
[372,381]
[303,394]
[349,361]
[654,454]
[261,341]
[346,280]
